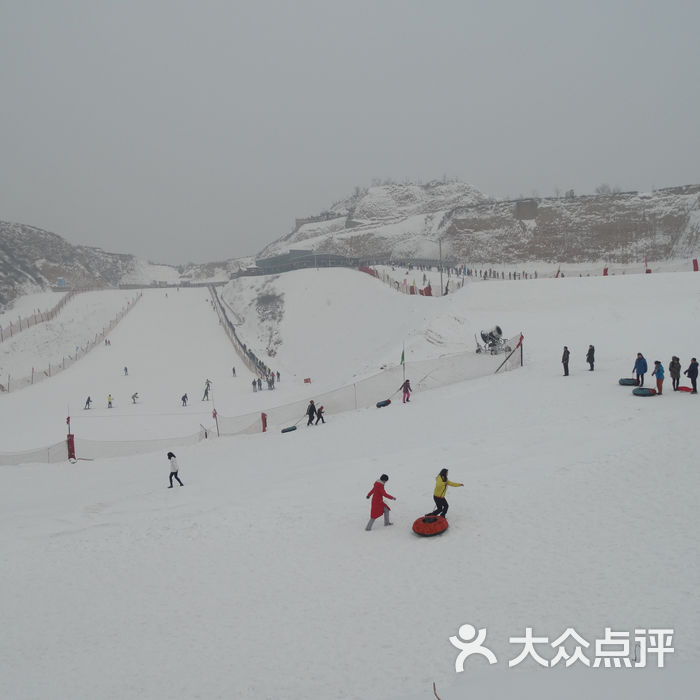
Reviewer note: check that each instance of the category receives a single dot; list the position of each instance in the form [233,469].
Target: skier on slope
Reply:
[378,493]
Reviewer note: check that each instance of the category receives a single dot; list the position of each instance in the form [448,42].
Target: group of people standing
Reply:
[641,367]
[590,359]
[674,369]
[378,493]
[270,378]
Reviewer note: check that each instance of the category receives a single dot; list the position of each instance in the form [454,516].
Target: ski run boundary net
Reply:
[424,375]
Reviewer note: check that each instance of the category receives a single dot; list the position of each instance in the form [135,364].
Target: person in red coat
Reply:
[378,493]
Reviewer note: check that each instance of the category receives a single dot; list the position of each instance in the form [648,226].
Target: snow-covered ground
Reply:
[71,330]
[258,580]
[27,305]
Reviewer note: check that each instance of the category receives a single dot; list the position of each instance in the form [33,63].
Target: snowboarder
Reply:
[674,369]
[311,412]
[109,400]
[692,374]
[319,415]
[378,493]
[207,384]
[590,357]
[184,399]
[134,396]
[565,361]
[173,469]
[441,484]
[88,401]
[406,389]
[126,371]
[640,368]
[659,374]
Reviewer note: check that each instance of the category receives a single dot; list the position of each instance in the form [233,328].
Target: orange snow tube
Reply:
[429,525]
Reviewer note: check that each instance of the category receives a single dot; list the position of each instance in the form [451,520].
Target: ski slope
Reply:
[257,578]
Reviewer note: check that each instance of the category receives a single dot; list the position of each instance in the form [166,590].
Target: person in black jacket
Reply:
[692,374]
[565,361]
[674,369]
[311,412]
[590,357]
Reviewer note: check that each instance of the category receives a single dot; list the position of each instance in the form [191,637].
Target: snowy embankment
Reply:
[579,507]
[26,305]
[84,316]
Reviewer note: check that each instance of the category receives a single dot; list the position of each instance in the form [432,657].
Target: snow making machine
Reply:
[494,342]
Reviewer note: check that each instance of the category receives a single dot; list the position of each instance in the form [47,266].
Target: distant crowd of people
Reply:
[641,367]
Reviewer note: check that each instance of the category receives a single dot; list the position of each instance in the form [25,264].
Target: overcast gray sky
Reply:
[197,131]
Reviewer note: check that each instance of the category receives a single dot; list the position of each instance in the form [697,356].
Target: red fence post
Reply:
[70,440]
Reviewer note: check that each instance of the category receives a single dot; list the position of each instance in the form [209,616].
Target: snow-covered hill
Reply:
[32,260]
[407,221]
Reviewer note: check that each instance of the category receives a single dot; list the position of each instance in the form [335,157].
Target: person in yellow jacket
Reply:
[441,484]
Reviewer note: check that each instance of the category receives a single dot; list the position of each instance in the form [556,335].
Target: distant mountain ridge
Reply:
[32,259]
[400,221]
[410,221]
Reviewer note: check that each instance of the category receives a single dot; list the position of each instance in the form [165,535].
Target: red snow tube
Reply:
[429,525]
[685,388]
